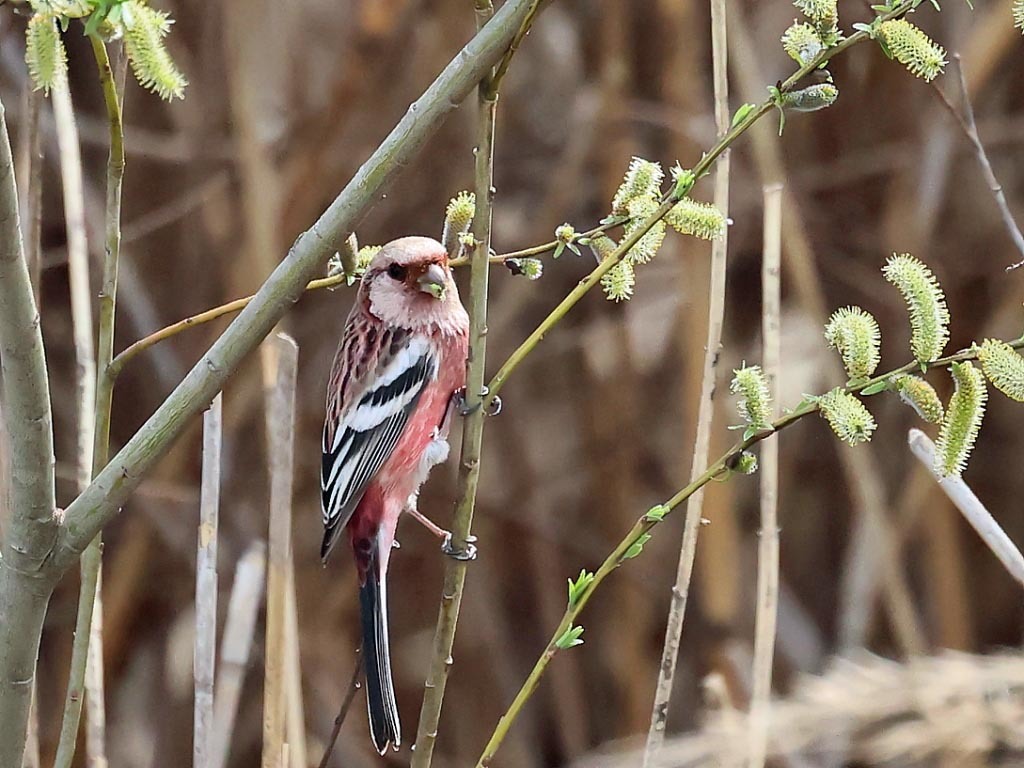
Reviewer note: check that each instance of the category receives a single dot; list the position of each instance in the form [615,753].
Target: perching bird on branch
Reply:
[397,377]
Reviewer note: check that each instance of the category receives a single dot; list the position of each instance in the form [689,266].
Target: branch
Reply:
[334,281]
[641,529]
[111,487]
[706,407]
[472,433]
[970,128]
[85,383]
[32,530]
[700,170]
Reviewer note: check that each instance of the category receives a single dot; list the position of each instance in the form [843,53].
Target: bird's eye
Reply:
[397,271]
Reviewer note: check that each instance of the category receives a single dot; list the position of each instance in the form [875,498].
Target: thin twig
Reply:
[766,616]
[243,610]
[965,119]
[350,694]
[706,407]
[334,281]
[701,169]
[719,469]
[280,390]
[93,557]
[472,433]
[205,647]
[970,506]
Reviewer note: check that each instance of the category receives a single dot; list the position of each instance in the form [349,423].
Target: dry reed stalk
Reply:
[716,318]
[280,366]
[766,617]
[236,644]
[876,711]
[296,718]
[970,506]
[205,649]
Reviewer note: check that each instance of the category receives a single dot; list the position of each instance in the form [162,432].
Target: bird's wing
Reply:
[366,417]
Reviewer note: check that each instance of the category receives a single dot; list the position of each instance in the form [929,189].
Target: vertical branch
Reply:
[205,648]
[472,435]
[243,608]
[92,558]
[706,409]
[280,376]
[31,529]
[30,190]
[768,542]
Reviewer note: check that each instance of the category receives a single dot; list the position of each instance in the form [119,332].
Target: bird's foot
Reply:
[465,409]
[463,555]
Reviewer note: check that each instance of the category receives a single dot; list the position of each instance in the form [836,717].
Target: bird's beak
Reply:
[433,281]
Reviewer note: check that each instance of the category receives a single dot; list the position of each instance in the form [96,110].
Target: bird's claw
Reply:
[464,409]
[463,555]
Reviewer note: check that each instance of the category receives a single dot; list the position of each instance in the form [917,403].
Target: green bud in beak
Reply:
[433,281]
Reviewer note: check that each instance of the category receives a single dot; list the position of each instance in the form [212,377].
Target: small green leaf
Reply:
[572,247]
[570,638]
[741,113]
[861,27]
[656,513]
[579,587]
[558,250]
[637,546]
[874,389]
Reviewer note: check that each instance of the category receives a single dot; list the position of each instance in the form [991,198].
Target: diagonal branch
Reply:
[112,487]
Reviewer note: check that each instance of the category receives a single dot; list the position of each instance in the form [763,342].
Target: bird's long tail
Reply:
[380,691]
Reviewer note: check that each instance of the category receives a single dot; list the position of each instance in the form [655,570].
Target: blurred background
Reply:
[286,100]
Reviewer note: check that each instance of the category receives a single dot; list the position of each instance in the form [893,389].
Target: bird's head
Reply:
[409,284]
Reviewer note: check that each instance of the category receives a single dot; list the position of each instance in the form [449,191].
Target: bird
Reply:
[398,376]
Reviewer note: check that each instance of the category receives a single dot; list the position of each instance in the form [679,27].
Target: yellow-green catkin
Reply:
[912,48]
[144,32]
[962,422]
[847,416]
[619,281]
[919,395]
[692,217]
[646,248]
[854,334]
[44,52]
[1018,14]
[926,303]
[458,218]
[755,403]
[802,43]
[642,180]
[1004,367]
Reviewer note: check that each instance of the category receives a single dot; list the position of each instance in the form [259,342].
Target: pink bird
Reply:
[397,375]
